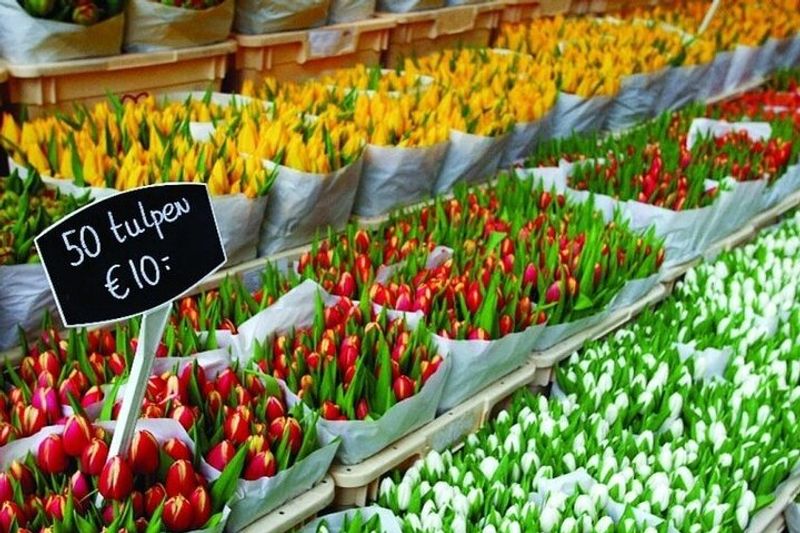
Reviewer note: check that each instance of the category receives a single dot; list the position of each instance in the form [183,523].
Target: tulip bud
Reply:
[274,409]
[276,428]
[553,293]
[81,486]
[23,475]
[226,381]
[8,433]
[6,488]
[46,399]
[295,434]
[201,505]
[116,479]
[93,395]
[144,453]
[94,457]
[77,435]
[51,457]
[178,515]
[261,465]
[184,415]
[153,497]
[181,478]
[221,454]
[10,513]
[54,506]
[236,429]
[32,420]
[403,387]
[330,411]
[177,449]
[362,409]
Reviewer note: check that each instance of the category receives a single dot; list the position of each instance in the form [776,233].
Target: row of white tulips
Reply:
[685,420]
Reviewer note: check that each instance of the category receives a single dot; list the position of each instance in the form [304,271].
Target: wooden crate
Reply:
[298,55]
[49,86]
[426,32]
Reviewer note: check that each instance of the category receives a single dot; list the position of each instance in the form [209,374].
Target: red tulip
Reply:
[117,364]
[274,408]
[10,513]
[201,504]
[331,411]
[80,485]
[49,362]
[474,297]
[276,428]
[153,497]
[236,429]
[226,381]
[46,399]
[181,478]
[177,449]
[260,465]
[184,415]
[8,433]
[144,453]
[77,435]
[6,488]
[362,409]
[51,457]
[295,434]
[178,515]
[116,479]
[92,396]
[23,475]
[54,506]
[137,503]
[221,454]
[403,388]
[553,293]
[94,457]
[346,285]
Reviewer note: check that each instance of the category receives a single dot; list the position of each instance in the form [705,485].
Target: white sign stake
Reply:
[709,16]
[153,324]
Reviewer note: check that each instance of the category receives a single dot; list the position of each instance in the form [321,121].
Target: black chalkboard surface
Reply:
[131,252]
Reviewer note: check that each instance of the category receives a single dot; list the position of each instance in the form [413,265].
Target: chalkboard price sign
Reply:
[131,252]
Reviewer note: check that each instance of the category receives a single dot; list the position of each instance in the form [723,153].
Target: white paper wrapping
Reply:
[254,499]
[306,203]
[713,83]
[24,297]
[254,17]
[28,40]
[784,186]
[575,114]
[335,521]
[476,363]
[523,139]
[394,176]
[743,68]
[151,26]
[404,6]
[238,217]
[350,10]
[359,439]
[792,517]
[634,102]
[470,158]
[680,86]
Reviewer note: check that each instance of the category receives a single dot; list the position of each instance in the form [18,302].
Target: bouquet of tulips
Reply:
[83,13]
[52,480]
[116,146]
[364,372]
[27,208]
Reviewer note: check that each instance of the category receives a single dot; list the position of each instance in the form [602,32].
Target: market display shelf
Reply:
[50,86]
[770,519]
[421,33]
[358,484]
[299,55]
[297,511]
